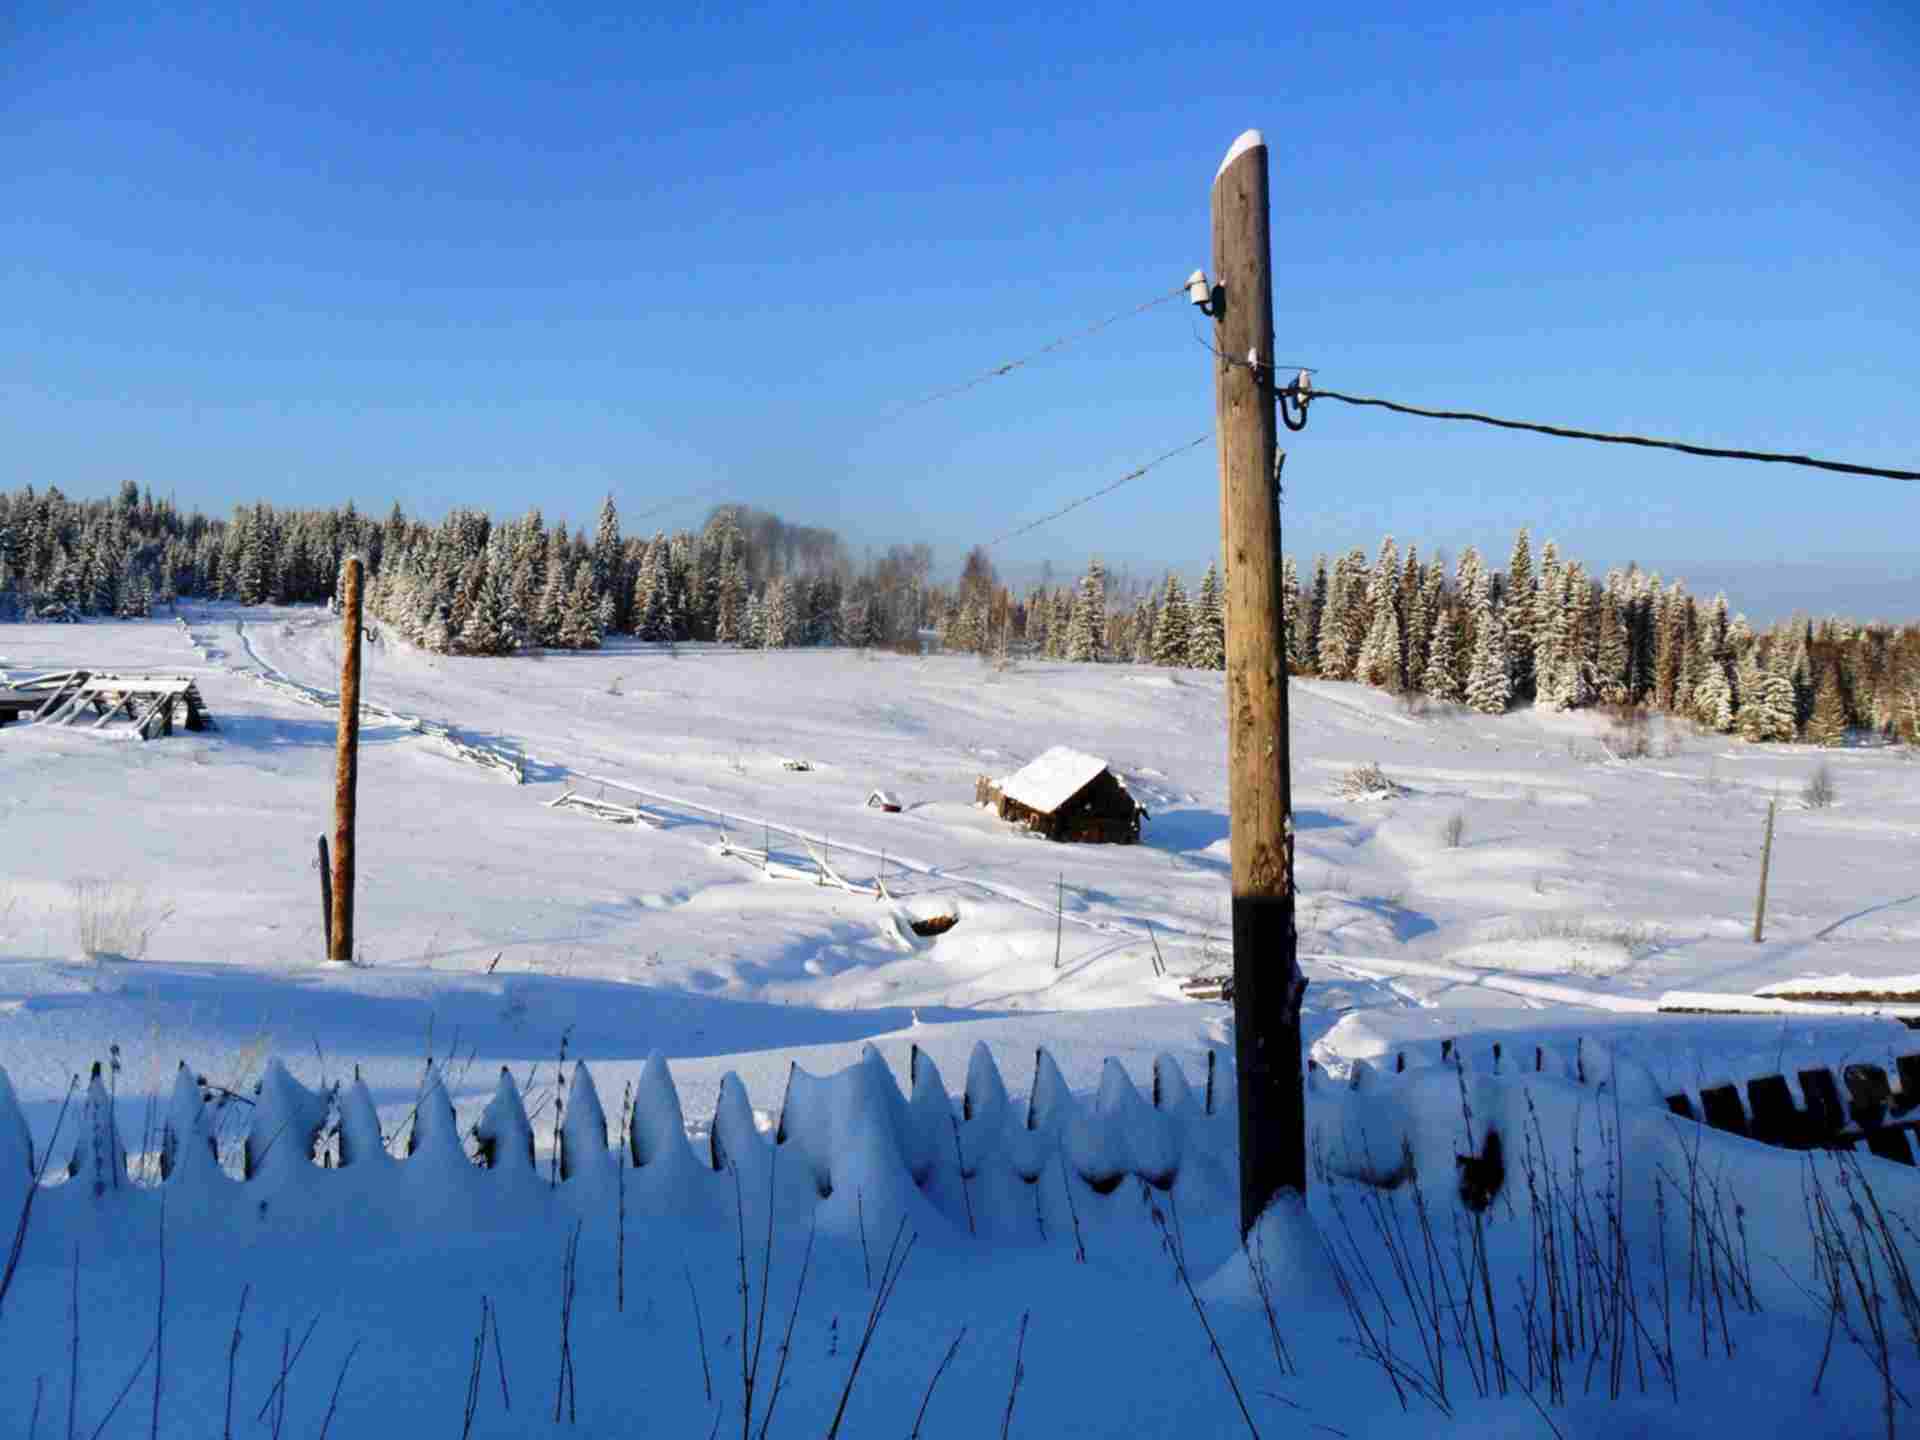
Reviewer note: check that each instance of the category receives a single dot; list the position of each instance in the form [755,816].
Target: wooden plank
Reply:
[1825,1110]
[126,699]
[1723,1109]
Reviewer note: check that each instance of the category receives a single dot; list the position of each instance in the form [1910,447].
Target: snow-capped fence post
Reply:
[1766,858]
[1267,984]
[346,773]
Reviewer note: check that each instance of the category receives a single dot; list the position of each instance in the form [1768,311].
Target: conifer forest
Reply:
[1544,629]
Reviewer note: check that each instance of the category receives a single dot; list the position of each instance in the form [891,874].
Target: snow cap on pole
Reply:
[1249,140]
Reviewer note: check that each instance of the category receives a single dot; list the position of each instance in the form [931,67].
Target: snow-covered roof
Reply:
[1047,783]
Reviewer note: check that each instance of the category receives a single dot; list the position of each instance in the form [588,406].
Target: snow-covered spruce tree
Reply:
[485,631]
[1382,589]
[1829,723]
[1610,641]
[773,614]
[1419,606]
[1334,662]
[1489,682]
[1758,718]
[1713,699]
[1291,653]
[580,618]
[645,606]
[605,557]
[1439,679]
[1316,609]
[1206,630]
[1380,659]
[1519,615]
[1086,630]
[1465,574]
[1172,637]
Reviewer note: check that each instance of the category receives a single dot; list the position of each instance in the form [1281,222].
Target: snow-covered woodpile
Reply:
[147,702]
[1065,795]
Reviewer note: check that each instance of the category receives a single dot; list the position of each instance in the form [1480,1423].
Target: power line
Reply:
[1073,337]
[1298,396]
[1565,433]
[1107,489]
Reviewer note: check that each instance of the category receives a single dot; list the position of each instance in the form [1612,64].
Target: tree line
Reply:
[1545,632]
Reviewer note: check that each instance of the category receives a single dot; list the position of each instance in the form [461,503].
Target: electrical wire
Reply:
[1061,343]
[1298,397]
[1107,489]
[1768,457]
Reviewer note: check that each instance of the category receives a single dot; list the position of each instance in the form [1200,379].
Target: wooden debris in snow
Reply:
[604,810]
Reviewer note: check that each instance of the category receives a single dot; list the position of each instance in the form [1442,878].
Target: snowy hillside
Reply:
[497,930]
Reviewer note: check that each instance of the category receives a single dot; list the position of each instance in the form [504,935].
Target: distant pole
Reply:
[1267,984]
[326,898]
[346,773]
[1059,917]
[1766,859]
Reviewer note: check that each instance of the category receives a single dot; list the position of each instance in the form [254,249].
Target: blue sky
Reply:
[497,254]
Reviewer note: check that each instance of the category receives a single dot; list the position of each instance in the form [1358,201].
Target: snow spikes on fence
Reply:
[16,1150]
[503,1139]
[852,1150]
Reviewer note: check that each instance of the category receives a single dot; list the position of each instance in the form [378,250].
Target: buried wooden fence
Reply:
[1835,1109]
[1860,1105]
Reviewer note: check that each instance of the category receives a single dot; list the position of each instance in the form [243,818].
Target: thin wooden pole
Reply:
[326,897]
[1766,859]
[1059,917]
[346,774]
[1267,984]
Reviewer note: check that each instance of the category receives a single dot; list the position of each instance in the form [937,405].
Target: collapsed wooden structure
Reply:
[147,702]
[601,809]
[1066,795]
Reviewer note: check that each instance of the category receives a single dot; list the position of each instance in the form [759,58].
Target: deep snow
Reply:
[1583,893]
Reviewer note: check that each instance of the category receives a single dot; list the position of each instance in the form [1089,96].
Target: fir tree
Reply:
[1172,638]
[1333,624]
[1060,628]
[1489,682]
[1380,657]
[1713,699]
[1829,723]
[1087,627]
[486,631]
[1316,614]
[1439,679]
[1206,631]
[1519,616]
[580,616]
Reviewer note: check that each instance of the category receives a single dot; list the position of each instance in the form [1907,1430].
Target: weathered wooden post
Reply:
[1267,984]
[346,774]
[326,897]
[1766,859]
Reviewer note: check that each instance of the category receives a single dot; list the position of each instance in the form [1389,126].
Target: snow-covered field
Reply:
[495,930]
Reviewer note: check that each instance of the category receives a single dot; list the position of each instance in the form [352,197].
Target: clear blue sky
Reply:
[488,255]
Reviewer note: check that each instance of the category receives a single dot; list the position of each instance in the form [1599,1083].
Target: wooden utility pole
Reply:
[1267,984]
[346,773]
[1766,859]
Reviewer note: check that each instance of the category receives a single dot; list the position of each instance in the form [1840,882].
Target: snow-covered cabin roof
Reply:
[1047,783]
